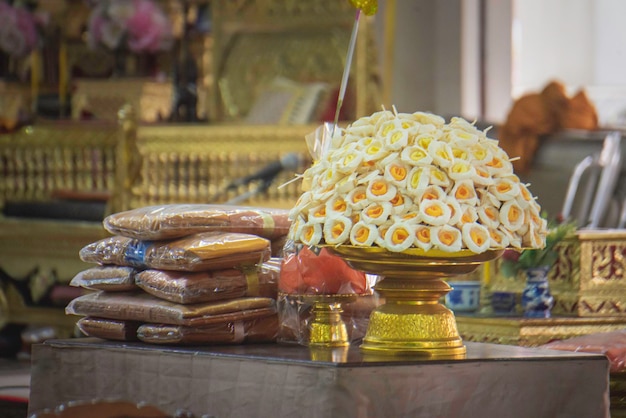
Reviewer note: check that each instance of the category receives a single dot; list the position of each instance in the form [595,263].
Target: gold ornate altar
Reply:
[588,283]
[588,279]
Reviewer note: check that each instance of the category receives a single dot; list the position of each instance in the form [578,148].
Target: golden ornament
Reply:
[369,7]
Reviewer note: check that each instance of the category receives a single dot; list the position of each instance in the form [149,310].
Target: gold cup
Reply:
[327,328]
[412,320]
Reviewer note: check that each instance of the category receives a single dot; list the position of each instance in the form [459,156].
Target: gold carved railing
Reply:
[195,164]
[39,160]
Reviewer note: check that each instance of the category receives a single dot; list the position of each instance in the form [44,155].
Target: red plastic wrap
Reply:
[178,220]
[305,271]
[611,344]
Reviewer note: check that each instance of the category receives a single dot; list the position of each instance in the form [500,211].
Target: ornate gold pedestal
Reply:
[327,329]
[412,320]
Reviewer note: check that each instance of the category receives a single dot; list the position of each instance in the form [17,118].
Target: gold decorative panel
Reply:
[257,41]
[277,9]
[589,278]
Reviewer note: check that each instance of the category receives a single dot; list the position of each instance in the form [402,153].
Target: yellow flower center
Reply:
[399,236]
[362,234]
[434,210]
[446,237]
[337,229]
[514,214]
[477,237]
[375,212]
[340,205]
[423,235]
[398,172]
[463,192]
[379,188]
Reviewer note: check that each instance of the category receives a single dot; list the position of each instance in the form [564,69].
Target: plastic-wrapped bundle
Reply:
[206,286]
[109,278]
[178,220]
[264,329]
[146,308]
[109,329]
[198,252]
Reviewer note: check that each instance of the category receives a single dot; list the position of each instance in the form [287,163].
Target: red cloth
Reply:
[611,344]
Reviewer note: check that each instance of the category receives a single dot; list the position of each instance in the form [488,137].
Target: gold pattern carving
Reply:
[532,332]
[589,277]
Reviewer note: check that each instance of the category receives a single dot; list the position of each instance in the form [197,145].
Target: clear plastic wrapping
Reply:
[611,344]
[258,330]
[178,220]
[198,252]
[309,272]
[206,286]
[109,278]
[296,315]
[139,306]
[109,329]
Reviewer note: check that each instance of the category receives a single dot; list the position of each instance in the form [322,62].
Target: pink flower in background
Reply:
[18,30]
[138,25]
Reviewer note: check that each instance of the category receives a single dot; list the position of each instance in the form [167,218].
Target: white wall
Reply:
[582,43]
[436,53]
[554,40]
[426,58]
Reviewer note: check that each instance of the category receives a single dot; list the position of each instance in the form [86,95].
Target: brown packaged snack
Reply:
[263,329]
[198,252]
[142,307]
[207,286]
[109,329]
[109,278]
[178,220]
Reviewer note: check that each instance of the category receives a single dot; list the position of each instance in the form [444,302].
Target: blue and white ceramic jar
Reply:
[537,301]
[464,296]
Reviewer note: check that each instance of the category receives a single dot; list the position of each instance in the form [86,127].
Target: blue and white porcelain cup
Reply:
[464,296]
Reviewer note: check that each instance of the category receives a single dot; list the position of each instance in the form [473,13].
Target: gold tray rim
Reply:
[347,250]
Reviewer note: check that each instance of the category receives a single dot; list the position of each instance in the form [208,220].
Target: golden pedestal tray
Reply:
[412,320]
[326,328]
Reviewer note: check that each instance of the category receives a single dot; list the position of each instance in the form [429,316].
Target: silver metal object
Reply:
[602,172]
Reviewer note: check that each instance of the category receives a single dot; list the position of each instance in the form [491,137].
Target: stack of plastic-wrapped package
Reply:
[184,274]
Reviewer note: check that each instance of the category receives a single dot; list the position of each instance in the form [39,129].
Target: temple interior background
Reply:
[94,121]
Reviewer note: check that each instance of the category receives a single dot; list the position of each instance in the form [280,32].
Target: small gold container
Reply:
[412,320]
[327,328]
